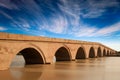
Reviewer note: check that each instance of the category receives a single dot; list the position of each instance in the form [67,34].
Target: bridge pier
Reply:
[5,61]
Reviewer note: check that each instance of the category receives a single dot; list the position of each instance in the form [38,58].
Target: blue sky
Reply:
[89,20]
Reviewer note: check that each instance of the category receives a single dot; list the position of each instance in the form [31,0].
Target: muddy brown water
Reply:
[104,68]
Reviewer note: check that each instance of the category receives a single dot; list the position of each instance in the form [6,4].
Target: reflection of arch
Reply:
[80,53]
[91,53]
[62,54]
[99,54]
[104,52]
[22,75]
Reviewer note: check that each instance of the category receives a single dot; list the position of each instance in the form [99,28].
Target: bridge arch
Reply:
[31,54]
[91,53]
[110,53]
[107,53]
[80,53]
[99,52]
[63,54]
[104,52]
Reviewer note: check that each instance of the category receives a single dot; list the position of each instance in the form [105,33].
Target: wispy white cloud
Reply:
[71,10]
[87,9]
[85,31]
[97,8]
[93,13]
[89,31]
[67,20]
[32,7]
[58,24]
[6,15]
[8,4]
[109,29]
[2,28]
[21,24]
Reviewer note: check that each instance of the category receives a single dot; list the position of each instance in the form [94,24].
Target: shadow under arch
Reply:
[107,53]
[91,53]
[104,52]
[110,53]
[31,54]
[62,54]
[80,53]
[99,54]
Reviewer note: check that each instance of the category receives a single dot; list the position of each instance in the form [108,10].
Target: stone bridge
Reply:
[42,50]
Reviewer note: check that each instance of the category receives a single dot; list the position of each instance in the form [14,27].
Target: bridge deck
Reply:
[19,37]
[7,36]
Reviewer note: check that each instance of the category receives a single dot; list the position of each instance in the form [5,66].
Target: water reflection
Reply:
[15,74]
[18,61]
[105,68]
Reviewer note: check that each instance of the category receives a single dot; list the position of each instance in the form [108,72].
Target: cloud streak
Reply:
[88,9]
[97,8]
[110,29]
[63,17]
[2,28]
[7,4]
[58,24]
[89,31]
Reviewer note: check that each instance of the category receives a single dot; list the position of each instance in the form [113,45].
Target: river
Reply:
[104,68]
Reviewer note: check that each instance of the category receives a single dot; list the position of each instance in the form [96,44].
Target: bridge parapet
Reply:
[6,36]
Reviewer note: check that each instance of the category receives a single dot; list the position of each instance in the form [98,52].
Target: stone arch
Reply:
[91,53]
[110,52]
[80,53]
[104,52]
[99,53]
[31,53]
[31,56]
[63,54]
[107,53]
